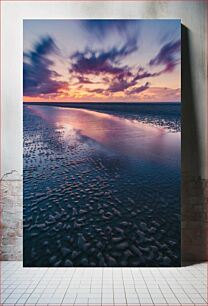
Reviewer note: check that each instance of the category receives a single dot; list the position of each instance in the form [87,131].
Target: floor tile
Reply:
[79,286]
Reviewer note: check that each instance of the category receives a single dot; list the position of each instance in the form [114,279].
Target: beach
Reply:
[102,185]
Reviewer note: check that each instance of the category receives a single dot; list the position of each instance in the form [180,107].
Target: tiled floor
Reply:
[103,286]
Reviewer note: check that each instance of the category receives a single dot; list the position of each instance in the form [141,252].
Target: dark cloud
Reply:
[88,63]
[96,62]
[127,79]
[84,80]
[106,79]
[139,89]
[141,74]
[97,90]
[168,56]
[37,74]
[120,85]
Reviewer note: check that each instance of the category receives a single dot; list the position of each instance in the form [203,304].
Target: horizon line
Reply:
[121,102]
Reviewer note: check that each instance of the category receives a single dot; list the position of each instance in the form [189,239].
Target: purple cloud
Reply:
[97,62]
[121,85]
[37,75]
[168,56]
[141,74]
[83,80]
[97,90]
[108,65]
[89,63]
[139,89]
[125,80]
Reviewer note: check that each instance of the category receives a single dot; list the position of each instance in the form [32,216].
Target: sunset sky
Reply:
[102,60]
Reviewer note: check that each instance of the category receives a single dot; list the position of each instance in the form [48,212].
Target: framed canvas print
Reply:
[102,142]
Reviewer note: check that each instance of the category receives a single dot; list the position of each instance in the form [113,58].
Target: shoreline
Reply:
[167,108]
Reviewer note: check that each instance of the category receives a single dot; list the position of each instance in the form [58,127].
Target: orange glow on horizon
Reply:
[152,94]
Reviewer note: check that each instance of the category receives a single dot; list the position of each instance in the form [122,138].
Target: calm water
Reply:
[101,188]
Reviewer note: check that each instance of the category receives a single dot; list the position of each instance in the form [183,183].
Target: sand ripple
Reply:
[87,206]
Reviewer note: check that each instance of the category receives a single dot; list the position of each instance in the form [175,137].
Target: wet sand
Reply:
[100,189]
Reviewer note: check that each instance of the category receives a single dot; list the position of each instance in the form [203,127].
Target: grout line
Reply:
[147,286]
[124,283]
[135,286]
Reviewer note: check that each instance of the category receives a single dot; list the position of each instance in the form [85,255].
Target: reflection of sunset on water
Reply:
[130,137]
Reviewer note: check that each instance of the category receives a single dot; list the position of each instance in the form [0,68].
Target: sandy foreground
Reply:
[100,189]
